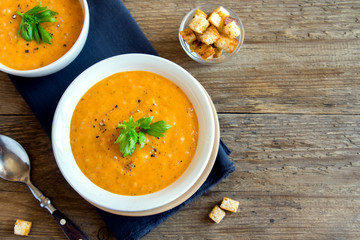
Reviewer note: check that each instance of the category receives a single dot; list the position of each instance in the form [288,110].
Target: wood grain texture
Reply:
[289,110]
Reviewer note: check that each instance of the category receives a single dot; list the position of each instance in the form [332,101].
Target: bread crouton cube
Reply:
[229,204]
[218,52]
[217,214]
[227,44]
[199,24]
[194,45]
[210,35]
[197,36]
[22,227]
[205,51]
[215,19]
[222,12]
[188,35]
[232,29]
[200,13]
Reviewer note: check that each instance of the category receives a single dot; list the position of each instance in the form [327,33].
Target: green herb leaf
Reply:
[27,32]
[45,36]
[46,19]
[36,9]
[36,34]
[133,132]
[46,13]
[142,139]
[157,129]
[145,122]
[29,26]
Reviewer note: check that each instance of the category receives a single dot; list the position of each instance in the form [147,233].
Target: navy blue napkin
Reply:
[112,31]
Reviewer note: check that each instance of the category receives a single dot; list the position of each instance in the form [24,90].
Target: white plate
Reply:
[131,62]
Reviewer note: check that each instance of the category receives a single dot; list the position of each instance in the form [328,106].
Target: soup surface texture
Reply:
[113,100]
[19,54]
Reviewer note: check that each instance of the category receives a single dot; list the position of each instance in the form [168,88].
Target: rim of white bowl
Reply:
[131,62]
[64,60]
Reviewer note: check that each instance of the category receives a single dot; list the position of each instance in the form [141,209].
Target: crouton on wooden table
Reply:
[217,214]
[229,204]
[22,227]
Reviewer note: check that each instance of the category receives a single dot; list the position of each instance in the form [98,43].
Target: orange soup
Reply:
[19,54]
[113,100]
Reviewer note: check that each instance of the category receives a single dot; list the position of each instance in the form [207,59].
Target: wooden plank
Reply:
[11,101]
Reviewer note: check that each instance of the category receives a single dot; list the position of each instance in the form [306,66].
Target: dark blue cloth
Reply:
[112,31]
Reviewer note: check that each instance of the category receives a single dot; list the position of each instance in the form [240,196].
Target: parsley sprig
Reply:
[133,132]
[30,24]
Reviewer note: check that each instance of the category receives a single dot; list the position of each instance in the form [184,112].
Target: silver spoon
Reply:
[15,166]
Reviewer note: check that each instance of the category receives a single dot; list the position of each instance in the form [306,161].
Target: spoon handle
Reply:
[68,227]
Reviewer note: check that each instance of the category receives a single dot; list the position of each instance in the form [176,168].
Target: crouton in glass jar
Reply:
[211,34]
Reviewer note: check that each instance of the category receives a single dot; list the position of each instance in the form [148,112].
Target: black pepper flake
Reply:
[36,49]
[116,106]
[93,126]
[150,110]
[272,220]
[27,51]
[155,150]
[64,45]
[95,119]
[27,44]
[97,136]
[10,22]
[139,101]
[152,155]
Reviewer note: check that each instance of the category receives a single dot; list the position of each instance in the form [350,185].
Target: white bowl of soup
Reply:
[85,129]
[32,58]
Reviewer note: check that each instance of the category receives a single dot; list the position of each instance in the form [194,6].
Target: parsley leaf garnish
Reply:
[133,132]
[29,25]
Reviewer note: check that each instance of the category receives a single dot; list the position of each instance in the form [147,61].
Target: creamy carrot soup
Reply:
[113,100]
[19,54]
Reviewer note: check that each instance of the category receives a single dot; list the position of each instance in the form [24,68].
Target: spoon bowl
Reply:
[14,162]
[15,167]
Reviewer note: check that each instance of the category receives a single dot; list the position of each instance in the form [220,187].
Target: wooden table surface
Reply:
[289,109]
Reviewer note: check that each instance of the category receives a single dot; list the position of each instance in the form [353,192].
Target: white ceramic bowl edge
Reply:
[101,70]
